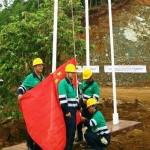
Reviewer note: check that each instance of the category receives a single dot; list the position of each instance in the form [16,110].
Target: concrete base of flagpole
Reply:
[115,118]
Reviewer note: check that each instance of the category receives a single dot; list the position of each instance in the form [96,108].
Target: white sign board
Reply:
[94,69]
[127,68]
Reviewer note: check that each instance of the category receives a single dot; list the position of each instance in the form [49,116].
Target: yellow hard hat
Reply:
[87,73]
[37,61]
[90,102]
[70,68]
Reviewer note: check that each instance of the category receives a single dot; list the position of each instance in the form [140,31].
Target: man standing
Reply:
[89,89]
[97,134]
[31,81]
[69,104]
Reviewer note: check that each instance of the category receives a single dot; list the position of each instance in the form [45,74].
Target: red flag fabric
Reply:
[43,115]
[60,73]
[78,117]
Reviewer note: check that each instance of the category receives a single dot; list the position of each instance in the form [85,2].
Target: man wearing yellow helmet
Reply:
[97,135]
[88,89]
[69,104]
[31,81]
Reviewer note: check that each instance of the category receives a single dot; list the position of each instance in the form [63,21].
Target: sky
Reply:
[9,2]
[1,2]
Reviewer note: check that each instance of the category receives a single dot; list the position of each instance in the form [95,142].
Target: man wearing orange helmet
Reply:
[69,104]
[97,135]
[31,81]
[88,89]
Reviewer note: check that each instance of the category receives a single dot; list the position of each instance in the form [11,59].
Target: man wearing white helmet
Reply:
[31,81]
[88,89]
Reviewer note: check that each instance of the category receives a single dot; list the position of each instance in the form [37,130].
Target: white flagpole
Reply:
[87,33]
[54,52]
[115,114]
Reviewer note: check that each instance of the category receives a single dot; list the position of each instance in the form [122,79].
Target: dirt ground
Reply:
[133,104]
[136,107]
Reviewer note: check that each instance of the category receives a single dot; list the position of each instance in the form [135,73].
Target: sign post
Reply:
[127,68]
[115,114]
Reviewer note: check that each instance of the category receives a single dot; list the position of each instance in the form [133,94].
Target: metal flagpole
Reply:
[87,33]
[115,114]
[55,35]
[93,68]
[54,51]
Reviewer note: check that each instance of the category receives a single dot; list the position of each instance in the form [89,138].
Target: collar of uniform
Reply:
[34,75]
[95,112]
[90,82]
[68,80]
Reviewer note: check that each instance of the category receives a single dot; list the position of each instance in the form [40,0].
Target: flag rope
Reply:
[73,34]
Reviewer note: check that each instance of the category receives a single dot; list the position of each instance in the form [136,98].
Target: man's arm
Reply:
[89,123]
[25,86]
[96,93]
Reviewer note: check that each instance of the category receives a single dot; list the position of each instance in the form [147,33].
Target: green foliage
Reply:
[27,34]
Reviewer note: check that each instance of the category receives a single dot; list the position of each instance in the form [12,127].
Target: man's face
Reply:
[88,80]
[90,109]
[71,75]
[39,68]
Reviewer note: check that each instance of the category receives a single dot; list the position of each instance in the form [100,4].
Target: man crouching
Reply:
[97,134]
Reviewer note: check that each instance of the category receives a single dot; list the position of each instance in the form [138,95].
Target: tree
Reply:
[29,36]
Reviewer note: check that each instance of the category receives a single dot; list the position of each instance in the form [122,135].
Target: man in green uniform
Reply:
[69,104]
[97,134]
[88,89]
[31,81]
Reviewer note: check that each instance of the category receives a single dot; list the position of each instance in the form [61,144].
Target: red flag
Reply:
[43,115]
[60,73]
[78,117]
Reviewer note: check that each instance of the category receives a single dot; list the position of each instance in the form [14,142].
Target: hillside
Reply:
[131,30]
